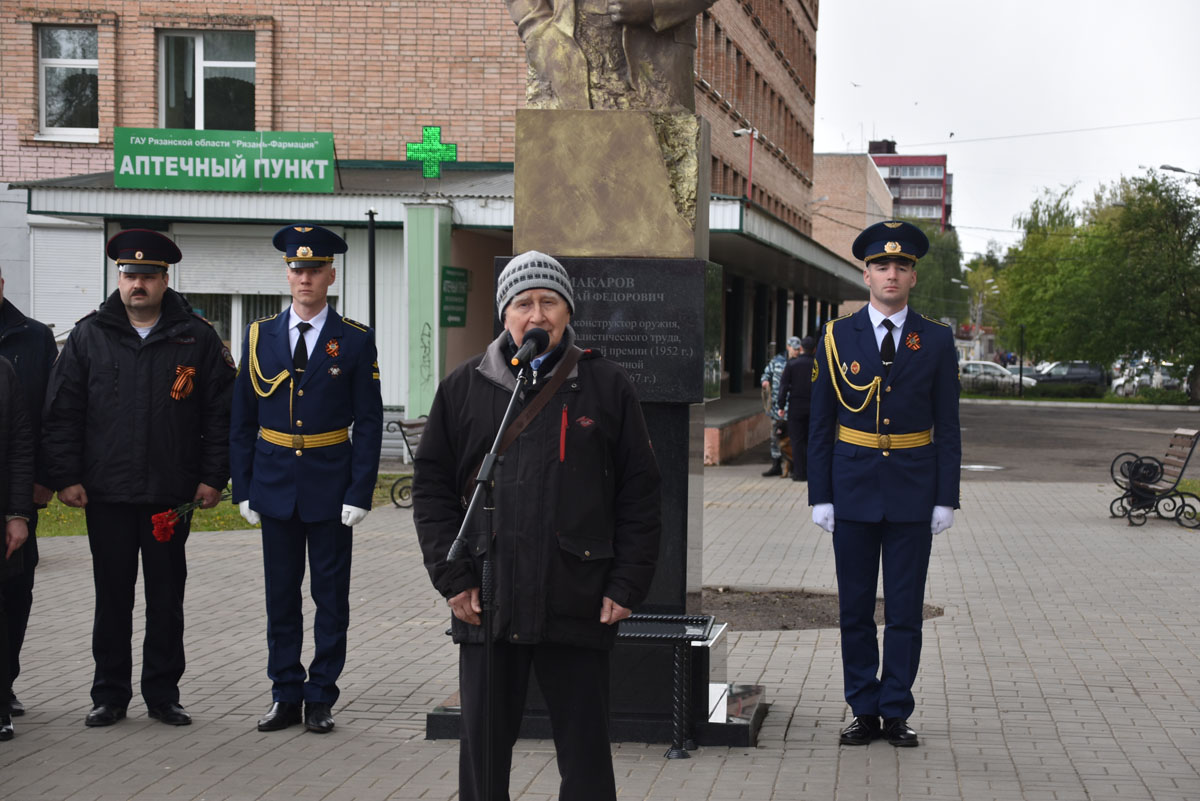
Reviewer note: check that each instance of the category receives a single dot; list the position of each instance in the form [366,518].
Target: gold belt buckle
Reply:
[297,441]
[885,441]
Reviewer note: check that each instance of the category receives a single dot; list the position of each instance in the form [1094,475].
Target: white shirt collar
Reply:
[317,322]
[877,317]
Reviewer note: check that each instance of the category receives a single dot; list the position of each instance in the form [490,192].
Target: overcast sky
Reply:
[927,68]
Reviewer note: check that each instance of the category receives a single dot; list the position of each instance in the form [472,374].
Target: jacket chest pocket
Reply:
[584,507]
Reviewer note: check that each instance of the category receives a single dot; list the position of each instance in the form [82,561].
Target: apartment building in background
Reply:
[921,186]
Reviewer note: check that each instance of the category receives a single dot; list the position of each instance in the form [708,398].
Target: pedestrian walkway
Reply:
[1066,667]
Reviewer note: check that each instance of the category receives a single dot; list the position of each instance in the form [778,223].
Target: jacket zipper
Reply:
[562,437]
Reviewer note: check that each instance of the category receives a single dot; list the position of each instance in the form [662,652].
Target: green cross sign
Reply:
[431,151]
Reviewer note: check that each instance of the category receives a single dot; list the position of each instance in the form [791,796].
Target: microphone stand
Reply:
[484,484]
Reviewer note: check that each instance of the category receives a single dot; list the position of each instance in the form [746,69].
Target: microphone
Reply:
[534,342]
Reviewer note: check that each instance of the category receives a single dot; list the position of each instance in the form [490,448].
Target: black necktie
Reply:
[300,354]
[887,348]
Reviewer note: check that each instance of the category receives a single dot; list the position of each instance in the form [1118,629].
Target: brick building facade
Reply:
[373,73]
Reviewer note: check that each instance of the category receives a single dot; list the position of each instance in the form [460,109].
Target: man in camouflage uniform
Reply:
[770,380]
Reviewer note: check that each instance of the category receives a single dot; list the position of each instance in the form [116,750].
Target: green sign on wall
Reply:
[223,161]
[454,297]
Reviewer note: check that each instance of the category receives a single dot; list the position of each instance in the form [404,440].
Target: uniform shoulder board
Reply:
[92,313]
[202,318]
[355,324]
[268,317]
[939,322]
[590,353]
[837,320]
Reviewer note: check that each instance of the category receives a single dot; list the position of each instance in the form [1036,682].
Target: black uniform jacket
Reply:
[139,421]
[578,509]
[795,387]
[16,459]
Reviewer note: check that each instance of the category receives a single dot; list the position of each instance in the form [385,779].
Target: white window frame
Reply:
[198,67]
[63,134]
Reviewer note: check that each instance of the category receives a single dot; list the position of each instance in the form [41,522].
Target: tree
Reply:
[935,295]
[1117,276]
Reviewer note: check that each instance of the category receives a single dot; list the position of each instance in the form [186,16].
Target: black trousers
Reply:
[798,434]
[117,532]
[16,600]
[574,682]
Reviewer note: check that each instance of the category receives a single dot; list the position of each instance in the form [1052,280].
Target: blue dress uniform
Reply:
[293,459]
[884,449]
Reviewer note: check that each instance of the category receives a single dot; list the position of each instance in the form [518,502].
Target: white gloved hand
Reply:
[823,516]
[352,515]
[943,518]
[252,517]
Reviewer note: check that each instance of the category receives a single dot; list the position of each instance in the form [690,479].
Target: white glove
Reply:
[943,518]
[352,515]
[823,516]
[252,517]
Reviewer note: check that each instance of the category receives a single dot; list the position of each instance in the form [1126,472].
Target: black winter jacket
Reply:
[795,387]
[16,459]
[30,347]
[578,509]
[124,419]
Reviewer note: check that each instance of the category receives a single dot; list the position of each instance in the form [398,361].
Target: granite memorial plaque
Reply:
[647,315]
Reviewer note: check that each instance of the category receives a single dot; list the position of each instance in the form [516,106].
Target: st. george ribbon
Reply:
[535,341]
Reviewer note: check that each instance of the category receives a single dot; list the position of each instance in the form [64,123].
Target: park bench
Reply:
[1152,485]
[410,432]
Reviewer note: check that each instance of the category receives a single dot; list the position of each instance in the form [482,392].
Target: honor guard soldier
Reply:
[307,375]
[883,472]
[137,423]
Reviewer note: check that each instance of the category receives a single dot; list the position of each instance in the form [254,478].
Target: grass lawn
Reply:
[58,520]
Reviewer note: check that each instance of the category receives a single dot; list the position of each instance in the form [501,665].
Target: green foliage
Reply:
[60,520]
[935,295]
[1161,397]
[1119,275]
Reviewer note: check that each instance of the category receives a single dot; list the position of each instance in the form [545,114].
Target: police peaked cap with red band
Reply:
[138,250]
[306,245]
[891,239]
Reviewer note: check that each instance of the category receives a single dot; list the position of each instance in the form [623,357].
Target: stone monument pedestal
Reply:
[620,198]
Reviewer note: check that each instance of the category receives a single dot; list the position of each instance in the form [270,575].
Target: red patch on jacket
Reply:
[584,421]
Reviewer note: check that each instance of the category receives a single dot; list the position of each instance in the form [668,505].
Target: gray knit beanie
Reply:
[532,270]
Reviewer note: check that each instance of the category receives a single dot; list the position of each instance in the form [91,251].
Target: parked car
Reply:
[1073,373]
[1027,374]
[978,376]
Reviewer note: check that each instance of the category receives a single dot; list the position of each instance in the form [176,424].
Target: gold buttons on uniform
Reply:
[300,392]
[516,636]
[887,422]
[885,453]
[299,424]
[299,452]
[587,553]
[887,389]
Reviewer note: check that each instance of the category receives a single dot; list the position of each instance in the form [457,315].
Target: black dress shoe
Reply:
[318,718]
[281,715]
[104,715]
[898,733]
[170,713]
[6,727]
[861,731]
[16,707]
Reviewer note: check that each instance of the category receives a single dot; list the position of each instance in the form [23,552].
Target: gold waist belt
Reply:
[305,440]
[885,442]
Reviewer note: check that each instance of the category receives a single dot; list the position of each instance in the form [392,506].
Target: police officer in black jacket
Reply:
[137,423]
[795,390]
[29,347]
